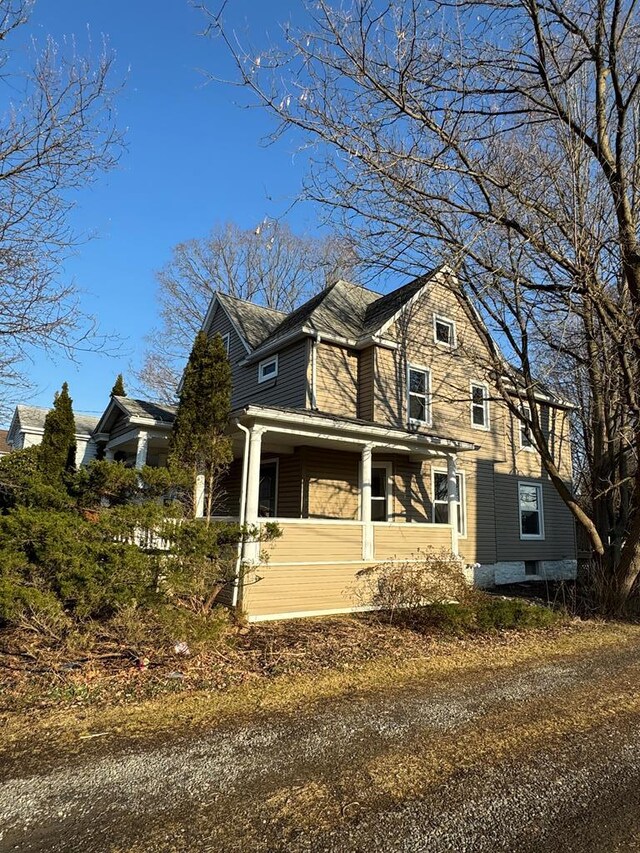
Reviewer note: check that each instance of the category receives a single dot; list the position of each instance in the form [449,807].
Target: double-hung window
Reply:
[268,369]
[226,340]
[441,501]
[531,513]
[526,442]
[381,492]
[479,405]
[418,395]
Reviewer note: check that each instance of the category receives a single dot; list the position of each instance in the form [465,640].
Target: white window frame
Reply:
[388,466]
[537,486]
[485,397]
[427,407]
[269,460]
[226,340]
[273,359]
[439,318]
[462,490]
[522,428]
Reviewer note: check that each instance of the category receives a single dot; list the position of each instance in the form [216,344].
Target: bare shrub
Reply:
[427,577]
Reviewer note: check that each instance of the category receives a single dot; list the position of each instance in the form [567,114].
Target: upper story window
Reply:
[226,340]
[526,441]
[531,514]
[268,368]
[419,395]
[479,405]
[444,331]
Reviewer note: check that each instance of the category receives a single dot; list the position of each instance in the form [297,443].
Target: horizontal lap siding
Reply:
[331,483]
[289,388]
[366,368]
[301,589]
[315,543]
[336,380]
[399,542]
[559,542]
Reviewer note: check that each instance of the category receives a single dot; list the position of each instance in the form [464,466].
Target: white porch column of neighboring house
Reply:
[452,500]
[109,454]
[141,450]
[199,496]
[365,504]
[252,548]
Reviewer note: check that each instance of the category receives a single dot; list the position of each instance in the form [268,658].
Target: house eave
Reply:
[355,433]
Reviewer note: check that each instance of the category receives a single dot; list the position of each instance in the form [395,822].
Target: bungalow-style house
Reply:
[135,432]
[27,429]
[366,425]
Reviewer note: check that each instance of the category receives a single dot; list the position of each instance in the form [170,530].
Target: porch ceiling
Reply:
[288,428]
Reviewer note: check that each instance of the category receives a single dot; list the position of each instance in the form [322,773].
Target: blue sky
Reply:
[194,157]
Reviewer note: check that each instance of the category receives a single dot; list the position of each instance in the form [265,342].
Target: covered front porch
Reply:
[345,494]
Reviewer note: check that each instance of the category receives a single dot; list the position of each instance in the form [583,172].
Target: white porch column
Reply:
[365,504]
[198,494]
[252,549]
[141,450]
[452,489]
[109,453]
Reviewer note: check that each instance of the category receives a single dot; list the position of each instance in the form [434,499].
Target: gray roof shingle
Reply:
[146,409]
[343,310]
[33,416]
[255,322]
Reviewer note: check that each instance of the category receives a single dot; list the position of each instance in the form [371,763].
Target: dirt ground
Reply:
[520,744]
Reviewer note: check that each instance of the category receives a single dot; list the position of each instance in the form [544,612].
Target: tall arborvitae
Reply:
[118,387]
[198,440]
[58,448]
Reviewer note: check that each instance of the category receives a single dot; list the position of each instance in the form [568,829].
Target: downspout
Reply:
[243,509]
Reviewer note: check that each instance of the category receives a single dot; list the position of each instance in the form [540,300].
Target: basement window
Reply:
[531,567]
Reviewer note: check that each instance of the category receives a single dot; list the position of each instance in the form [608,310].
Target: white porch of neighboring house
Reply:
[135,432]
[311,568]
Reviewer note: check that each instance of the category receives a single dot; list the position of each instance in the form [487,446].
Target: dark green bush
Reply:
[483,613]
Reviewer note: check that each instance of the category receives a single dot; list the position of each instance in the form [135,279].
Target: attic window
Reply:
[226,340]
[444,331]
[268,369]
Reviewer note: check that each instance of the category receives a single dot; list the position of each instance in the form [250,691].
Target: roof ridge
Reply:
[250,302]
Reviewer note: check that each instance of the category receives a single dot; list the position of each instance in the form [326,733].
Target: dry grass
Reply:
[287,668]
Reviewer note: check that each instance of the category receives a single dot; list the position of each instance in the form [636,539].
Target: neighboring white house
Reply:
[27,429]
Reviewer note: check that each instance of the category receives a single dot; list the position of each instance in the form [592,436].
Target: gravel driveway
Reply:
[543,756]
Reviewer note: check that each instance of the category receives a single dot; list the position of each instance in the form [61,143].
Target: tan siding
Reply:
[402,541]
[336,380]
[331,483]
[559,541]
[289,486]
[366,369]
[301,589]
[316,543]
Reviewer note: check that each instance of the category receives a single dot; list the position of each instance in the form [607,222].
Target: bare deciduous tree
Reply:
[57,134]
[504,138]
[268,264]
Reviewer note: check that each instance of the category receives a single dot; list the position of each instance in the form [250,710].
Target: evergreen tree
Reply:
[58,448]
[198,440]
[118,387]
